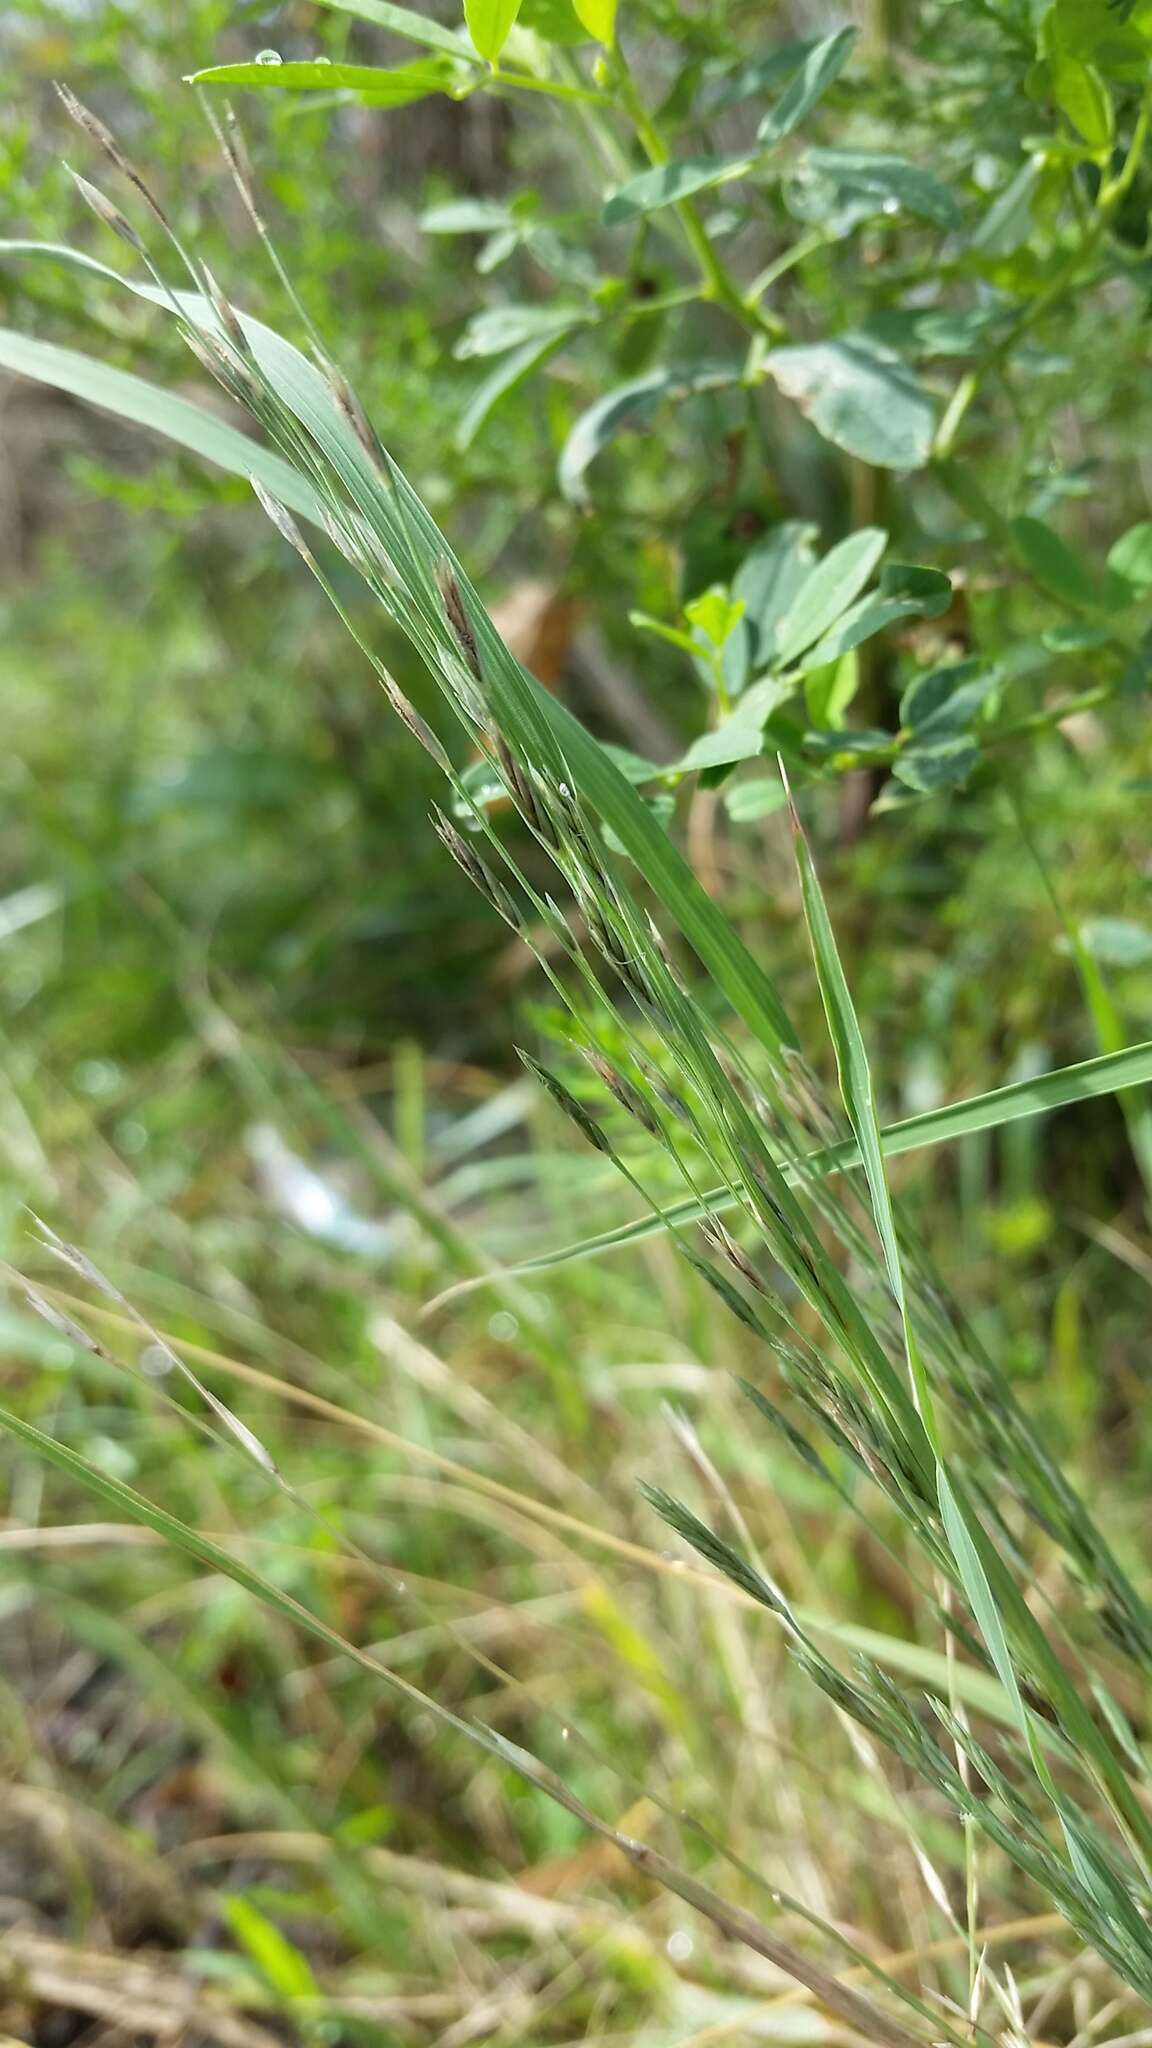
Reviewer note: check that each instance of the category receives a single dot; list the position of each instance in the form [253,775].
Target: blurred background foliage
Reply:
[254,1025]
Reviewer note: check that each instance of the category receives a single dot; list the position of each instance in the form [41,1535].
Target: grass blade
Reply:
[148,405]
[1037,1096]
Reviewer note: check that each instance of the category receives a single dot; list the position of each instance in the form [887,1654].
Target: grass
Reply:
[703,1845]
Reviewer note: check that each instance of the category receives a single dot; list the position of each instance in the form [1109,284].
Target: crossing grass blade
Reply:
[179,419]
[541,730]
[1040,1095]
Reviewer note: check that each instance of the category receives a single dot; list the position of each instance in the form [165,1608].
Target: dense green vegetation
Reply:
[736,1631]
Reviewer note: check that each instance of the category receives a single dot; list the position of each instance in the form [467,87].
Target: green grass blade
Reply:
[1037,1096]
[537,726]
[147,405]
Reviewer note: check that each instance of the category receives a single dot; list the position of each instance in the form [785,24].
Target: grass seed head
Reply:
[353,412]
[458,619]
[417,726]
[281,519]
[722,1241]
[105,140]
[622,1091]
[108,215]
[565,1100]
[225,313]
[477,871]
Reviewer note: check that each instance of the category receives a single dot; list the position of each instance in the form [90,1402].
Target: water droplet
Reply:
[564,1734]
[891,206]
[564,789]
[679,1946]
[155,1361]
[323,60]
[269,57]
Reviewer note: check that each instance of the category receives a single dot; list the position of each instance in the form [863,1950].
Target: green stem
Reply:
[718,285]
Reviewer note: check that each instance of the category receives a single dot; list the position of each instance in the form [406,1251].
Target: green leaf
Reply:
[1117,42]
[888,179]
[627,406]
[1081,94]
[498,328]
[828,590]
[829,691]
[735,740]
[860,396]
[766,583]
[963,1545]
[1008,221]
[1131,556]
[726,85]
[664,184]
[817,70]
[598,17]
[281,1964]
[489,23]
[851,744]
[1109,1075]
[1117,941]
[402,21]
[554,21]
[467,217]
[929,765]
[911,1413]
[906,592]
[178,419]
[376,85]
[714,614]
[757,798]
[947,699]
[512,370]
[1052,562]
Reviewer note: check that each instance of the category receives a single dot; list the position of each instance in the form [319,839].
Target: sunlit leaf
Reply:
[489,23]
[860,396]
[906,592]
[1131,556]
[664,184]
[828,590]
[818,69]
[929,765]
[745,802]
[1081,94]
[598,17]
[375,84]
[892,180]
[828,691]
[402,21]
